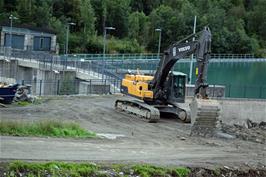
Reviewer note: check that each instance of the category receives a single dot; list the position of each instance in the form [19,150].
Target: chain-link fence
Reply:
[73,87]
[111,86]
[115,66]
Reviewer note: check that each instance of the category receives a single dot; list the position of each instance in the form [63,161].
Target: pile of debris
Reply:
[23,94]
[7,93]
[250,131]
[14,92]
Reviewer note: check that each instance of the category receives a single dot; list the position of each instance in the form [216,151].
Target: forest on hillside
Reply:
[238,26]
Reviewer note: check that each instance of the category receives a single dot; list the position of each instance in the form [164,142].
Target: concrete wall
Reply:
[212,91]
[2,40]
[239,110]
[86,88]
[53,43]
[8,68]
[49,82]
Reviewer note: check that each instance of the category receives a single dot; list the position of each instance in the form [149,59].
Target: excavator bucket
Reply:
[205,115]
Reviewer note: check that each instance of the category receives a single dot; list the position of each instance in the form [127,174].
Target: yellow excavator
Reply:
[165,91]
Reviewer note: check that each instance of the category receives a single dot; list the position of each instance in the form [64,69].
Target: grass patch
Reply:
[55,169]
[152,171]
[23,103]
[50,128]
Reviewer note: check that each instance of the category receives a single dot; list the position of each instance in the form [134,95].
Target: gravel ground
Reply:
[164,143]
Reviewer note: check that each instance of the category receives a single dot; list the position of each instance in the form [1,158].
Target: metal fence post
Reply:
[105,86]
[22,82]
[90,87]
[260,96]
[58,82]
[110,86]
[213,90]
[114,84]
[229,90]
[245,91]
[40,88]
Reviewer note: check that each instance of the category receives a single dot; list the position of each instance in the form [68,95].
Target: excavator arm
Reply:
[181,49]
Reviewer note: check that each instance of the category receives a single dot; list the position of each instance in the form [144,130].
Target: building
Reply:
[28,39]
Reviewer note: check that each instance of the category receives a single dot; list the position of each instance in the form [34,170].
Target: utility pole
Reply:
[104,48]
[192,56]
[159,42]
[11,17]
[67,36]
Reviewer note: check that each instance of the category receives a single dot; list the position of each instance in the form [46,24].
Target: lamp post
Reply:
[191,61]
[104,47]
[159,42]
[67,36]
[11,18]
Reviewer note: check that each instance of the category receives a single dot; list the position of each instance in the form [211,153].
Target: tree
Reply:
[25,10]
[87,17]
[157,19]
[238,26]
[117,16]
[145,6]
[256,23]
[138,24]
[100,11]
[42,14]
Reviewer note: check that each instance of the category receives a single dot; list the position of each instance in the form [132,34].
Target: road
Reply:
[123,150]
[164,143]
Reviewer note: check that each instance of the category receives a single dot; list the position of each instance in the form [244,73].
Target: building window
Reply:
[41,43]
[17,41]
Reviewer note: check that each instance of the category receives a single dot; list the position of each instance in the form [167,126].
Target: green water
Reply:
[242,80]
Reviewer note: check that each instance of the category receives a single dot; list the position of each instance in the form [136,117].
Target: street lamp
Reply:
[159,43]
[67,34]
[191,61]
[66,45]
[11,18]
[104,47]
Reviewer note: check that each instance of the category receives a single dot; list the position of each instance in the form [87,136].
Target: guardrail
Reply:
[147,56]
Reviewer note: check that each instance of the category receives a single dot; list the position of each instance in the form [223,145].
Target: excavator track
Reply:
[205,114]
[139,109]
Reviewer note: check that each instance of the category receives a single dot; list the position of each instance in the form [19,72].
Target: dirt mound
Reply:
[252,131]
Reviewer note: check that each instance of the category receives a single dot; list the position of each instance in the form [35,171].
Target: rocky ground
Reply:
[130,140]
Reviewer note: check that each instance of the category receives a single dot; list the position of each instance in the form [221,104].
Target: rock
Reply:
[200,173]
[183,138]
[226,167]
[121,173]
[131,171]
[224,135]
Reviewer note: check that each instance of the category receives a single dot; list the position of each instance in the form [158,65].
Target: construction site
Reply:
[192,109]
[237,144]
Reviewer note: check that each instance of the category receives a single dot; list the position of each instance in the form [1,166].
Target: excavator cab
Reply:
[176,85]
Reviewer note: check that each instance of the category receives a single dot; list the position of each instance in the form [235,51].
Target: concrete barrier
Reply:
[239,110]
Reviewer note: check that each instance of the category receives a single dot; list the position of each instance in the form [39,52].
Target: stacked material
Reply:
[7,92]
[23,93]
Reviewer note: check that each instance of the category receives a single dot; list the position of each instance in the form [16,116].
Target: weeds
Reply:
[55,169]
[44,128]
[52,169]
[23,103]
